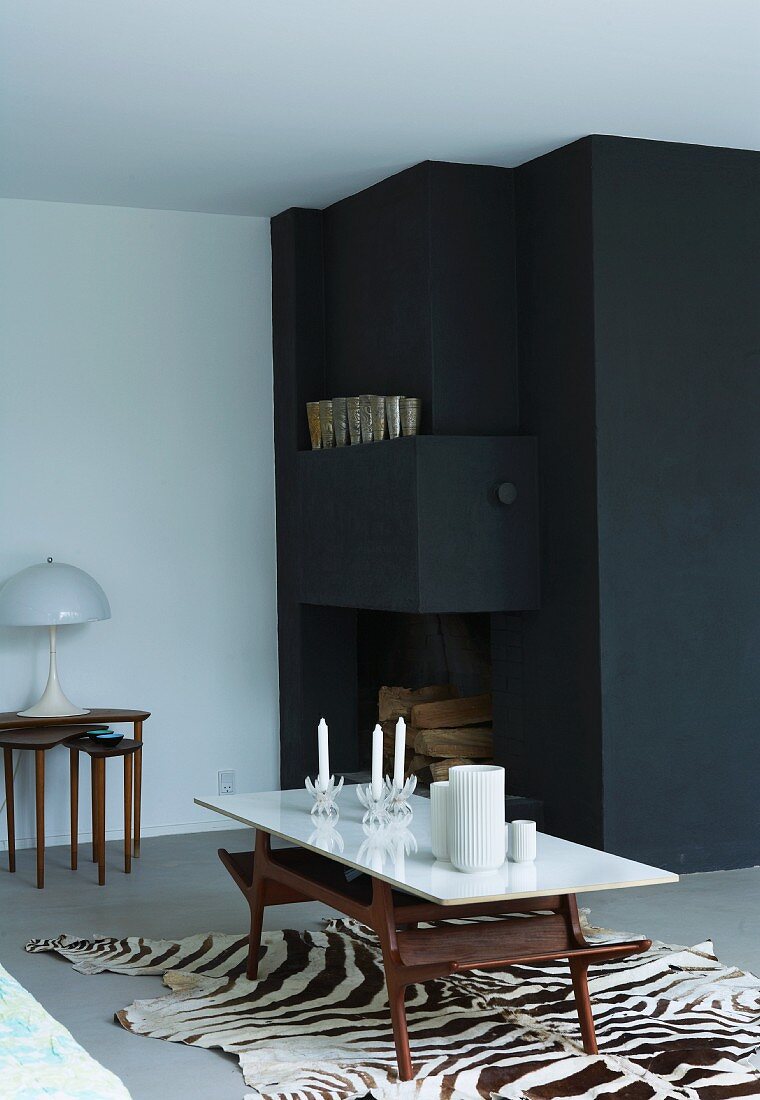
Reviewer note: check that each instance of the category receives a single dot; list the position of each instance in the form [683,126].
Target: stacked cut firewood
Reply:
[442,729]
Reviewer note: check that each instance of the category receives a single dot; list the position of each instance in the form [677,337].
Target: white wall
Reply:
[136,443]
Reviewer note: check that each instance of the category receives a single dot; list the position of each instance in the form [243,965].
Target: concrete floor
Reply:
[179,887]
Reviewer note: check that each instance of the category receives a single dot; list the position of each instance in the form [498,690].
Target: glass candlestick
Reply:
[397,797]
[325,798]
[375,809]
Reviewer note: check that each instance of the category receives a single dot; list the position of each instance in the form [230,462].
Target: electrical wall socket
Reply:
[226,782]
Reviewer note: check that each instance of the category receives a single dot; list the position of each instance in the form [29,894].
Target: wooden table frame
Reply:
[43,734]
[411,954]
[126,748]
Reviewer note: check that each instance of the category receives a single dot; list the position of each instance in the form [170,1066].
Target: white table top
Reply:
[405,860]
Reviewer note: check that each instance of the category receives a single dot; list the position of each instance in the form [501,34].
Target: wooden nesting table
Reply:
[401,885]
[43,734]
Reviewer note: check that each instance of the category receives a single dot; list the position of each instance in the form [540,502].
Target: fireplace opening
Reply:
[445,662]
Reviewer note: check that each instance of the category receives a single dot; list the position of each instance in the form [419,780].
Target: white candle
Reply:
[323,779]
[377,762]
[398,760]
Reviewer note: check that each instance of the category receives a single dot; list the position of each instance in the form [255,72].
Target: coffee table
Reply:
[400,885]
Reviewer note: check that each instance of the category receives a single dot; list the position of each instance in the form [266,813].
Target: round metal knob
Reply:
[506,492]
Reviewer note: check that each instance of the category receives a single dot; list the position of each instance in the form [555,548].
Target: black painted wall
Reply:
[677,330]
[420,295]
[639,292]
[561,670]
[309,668]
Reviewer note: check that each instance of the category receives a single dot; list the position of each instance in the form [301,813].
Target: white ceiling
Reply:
[251,106]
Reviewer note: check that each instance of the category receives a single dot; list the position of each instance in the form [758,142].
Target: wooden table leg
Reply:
[396,996]
[127,814]
[385,926]
[10,813]
[100,778]
[39,775]
[138,786]
[579,973]
[74,805]
[94,818]
[257,902]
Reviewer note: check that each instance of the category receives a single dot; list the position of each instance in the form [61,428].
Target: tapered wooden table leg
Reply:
[74,804]
[579,973]
[127,814]
[138,786]
[100,778]
[39,776]
[10,813]
[94,818]
[384,920]
[396,995]
[256,903]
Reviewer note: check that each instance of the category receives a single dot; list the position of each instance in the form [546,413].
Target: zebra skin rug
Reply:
[672,1024]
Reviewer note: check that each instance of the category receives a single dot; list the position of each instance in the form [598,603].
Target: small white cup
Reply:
[522,841]
[439,819]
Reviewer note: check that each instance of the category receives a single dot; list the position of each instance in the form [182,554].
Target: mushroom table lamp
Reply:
[52,594]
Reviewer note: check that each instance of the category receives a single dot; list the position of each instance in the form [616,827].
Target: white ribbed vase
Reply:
[439,819]
[477,837]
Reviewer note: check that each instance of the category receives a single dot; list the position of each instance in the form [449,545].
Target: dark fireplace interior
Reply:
[415,651]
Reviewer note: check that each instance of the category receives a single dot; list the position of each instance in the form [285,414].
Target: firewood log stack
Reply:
[442,729]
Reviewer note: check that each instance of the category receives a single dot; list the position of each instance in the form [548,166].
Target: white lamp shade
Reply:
[52,594]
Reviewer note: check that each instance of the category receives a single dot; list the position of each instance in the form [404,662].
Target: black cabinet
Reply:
[417,524]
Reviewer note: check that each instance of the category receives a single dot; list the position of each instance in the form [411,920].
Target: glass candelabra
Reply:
[325,798]
[375,806]
[397,799]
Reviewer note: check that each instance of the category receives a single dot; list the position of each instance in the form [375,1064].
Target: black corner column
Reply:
[315,678]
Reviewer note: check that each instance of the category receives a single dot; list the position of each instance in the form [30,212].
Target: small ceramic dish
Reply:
[106,737]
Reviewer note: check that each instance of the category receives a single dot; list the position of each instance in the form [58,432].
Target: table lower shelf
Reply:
[316,868]
[531,929]
[443,947]
[327,874]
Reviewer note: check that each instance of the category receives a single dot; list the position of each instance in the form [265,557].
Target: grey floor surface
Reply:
[179,887]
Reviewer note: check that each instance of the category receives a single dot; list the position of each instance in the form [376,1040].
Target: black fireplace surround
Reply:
[585,328]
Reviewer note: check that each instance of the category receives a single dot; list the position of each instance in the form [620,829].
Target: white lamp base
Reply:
[43,710]
[53,703]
